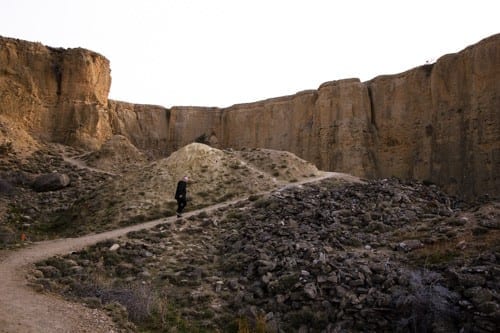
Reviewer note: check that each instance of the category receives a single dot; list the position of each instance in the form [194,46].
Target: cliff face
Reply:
[437,122]
[146,126]
[441,122]
[330,127]
[58,95]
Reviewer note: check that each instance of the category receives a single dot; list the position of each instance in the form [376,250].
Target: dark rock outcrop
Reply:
[51,182]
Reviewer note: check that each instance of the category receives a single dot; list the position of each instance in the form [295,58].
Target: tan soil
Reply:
[24,310]
[144,191]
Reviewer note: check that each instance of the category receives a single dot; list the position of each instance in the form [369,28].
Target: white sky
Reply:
[223,52]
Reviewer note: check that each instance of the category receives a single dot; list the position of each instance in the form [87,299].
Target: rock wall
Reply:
[57,94]
[438,122]
[146,126]
[441,122]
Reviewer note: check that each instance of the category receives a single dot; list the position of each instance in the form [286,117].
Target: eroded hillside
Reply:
[335,256]
[117,185]
[344,254]
[340,254]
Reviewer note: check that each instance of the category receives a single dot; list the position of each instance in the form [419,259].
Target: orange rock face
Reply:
[58,95]
[438,122]
[441,122]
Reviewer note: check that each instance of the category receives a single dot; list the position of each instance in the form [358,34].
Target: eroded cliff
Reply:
[55,94]
[441,122]
[438,122]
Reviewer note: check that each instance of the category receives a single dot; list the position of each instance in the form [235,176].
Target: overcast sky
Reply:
[224,52]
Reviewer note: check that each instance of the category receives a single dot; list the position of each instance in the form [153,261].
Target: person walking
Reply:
[180,195]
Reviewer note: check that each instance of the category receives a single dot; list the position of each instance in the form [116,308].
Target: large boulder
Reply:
[51,182]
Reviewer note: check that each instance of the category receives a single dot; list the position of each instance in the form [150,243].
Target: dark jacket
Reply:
[180,193]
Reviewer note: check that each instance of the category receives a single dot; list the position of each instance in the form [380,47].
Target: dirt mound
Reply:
[117,186]
[282,165]
[116,155]
[215,176]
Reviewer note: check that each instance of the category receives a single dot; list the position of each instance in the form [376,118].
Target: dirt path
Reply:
[24,310]
[81,165]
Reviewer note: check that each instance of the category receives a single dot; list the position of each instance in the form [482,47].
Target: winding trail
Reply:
[23,310]
[81,165]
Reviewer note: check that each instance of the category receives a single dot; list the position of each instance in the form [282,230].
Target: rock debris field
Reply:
[332,256]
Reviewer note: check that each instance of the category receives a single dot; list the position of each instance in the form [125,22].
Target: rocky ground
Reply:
[36,213]
[336,256]
[380,256]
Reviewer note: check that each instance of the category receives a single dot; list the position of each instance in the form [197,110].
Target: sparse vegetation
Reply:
[425,303]
[263,263]
[144,191]
[255,259]
[442,253]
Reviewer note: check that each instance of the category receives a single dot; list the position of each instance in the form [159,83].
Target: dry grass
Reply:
[463,247]
[259,327]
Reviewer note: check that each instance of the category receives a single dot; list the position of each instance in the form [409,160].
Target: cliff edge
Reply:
[438,122]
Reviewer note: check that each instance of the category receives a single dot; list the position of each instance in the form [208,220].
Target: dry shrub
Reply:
[138,299]
[167,318]
[259,326]
[426,304]
[243,325]
[436,254]
[464,247]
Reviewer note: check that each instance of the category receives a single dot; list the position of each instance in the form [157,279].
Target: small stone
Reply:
[333,278]
[76,269]
[266,278]
[281,298]
[36,273]
[410,245]
[322,279]
[145,274]
[310,290]
[340,291]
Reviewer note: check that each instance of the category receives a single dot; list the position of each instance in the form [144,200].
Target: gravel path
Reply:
[24,310]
